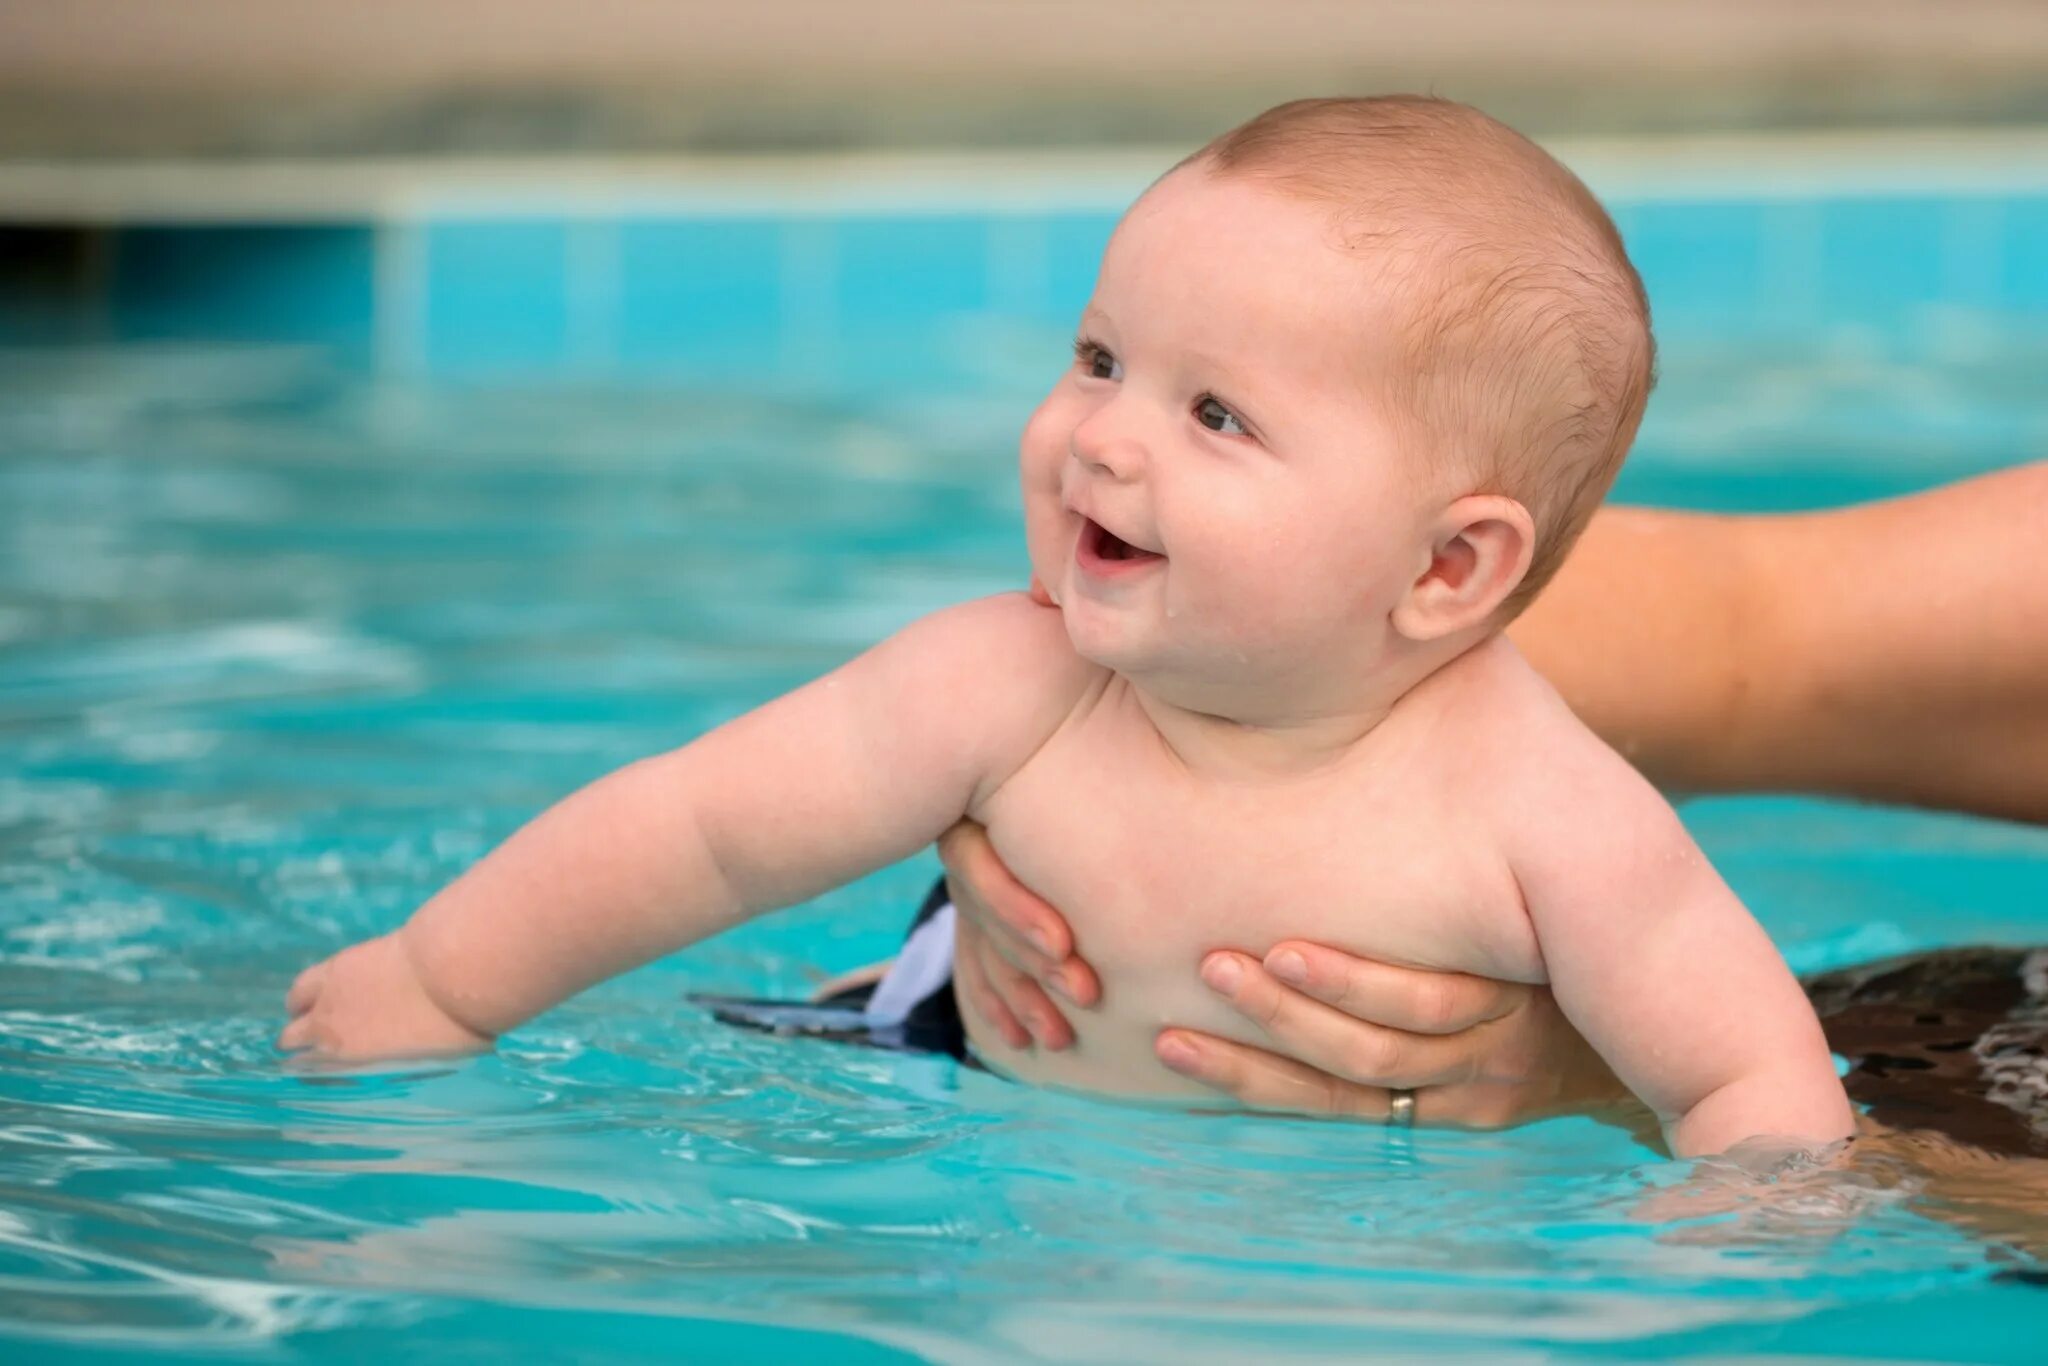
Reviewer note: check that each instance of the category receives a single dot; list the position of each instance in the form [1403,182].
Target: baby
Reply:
[1353,378]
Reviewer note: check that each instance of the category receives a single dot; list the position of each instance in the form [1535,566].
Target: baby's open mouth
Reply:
[1100,543]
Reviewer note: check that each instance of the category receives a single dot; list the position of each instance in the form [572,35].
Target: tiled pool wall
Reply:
[942,296]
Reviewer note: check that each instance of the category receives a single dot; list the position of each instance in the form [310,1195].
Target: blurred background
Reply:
[390,77]
[465,184]
[410,411]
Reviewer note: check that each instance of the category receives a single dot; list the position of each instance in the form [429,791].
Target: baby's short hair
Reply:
[1526,348]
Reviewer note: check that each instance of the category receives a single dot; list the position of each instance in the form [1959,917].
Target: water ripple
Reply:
[302,655]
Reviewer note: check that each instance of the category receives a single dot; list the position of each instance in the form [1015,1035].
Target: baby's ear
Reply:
[1479,550]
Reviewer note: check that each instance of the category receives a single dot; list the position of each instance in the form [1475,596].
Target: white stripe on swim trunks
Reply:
[922,968]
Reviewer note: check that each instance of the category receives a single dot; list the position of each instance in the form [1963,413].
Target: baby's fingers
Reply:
[296,1036]
[305,989]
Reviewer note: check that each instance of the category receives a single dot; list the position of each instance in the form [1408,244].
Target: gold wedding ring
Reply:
[1400,1109]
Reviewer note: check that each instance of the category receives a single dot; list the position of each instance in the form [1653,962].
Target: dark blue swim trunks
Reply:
[911,1009]
[1951,1040]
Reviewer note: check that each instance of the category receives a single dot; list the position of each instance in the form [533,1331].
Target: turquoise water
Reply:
[283,648]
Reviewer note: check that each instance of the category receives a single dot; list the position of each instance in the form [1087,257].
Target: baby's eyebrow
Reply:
[1212,363]
[1229,376]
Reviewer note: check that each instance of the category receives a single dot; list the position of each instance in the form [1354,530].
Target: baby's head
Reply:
[1358,369]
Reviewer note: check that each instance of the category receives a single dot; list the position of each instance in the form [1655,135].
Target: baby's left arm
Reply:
[1660,966]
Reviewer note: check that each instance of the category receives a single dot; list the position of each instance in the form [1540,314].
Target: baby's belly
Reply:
[1113,1042]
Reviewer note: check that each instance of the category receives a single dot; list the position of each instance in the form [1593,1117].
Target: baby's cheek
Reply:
[1041,453]
[1044,542]
[1045,530]
[1252,566]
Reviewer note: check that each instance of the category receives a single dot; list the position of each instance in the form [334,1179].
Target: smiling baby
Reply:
[1352,379]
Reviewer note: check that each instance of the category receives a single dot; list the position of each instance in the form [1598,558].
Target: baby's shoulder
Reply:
[999,617]
[1004,641]
[1517,729]
[1495,693]
[1005,664]
[1550,783]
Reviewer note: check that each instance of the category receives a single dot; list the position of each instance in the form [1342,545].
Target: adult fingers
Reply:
[1413,999]
[1000,938]
[984,888]
[971,980]
[1075,981]
[1266,1081]
[1328,1040]
[1028,1002]
[1072,979]
[305,989]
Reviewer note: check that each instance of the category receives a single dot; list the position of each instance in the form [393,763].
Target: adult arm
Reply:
[1894,651]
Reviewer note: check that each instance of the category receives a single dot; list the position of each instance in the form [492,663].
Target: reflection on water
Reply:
[280,652]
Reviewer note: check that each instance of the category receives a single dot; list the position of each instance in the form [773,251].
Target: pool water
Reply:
[283,647]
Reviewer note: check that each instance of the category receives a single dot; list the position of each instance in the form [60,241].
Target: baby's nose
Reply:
[1108,448]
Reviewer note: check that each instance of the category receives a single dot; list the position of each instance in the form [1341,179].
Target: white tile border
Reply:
[1750,166]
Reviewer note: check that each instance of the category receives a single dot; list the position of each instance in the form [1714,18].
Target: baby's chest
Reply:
[1154,872]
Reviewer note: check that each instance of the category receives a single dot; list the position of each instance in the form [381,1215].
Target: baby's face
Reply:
[1213,488]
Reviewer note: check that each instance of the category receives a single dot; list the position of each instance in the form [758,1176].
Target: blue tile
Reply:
[289,283]
[1701,263]
[1882,258]
[2023,277]
[496,295]
[702,295]
[912,269]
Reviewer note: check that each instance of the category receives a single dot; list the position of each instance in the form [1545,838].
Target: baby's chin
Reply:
[1094,635]
[1117,641]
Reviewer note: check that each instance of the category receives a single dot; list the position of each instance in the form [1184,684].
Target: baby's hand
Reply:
[368,1002]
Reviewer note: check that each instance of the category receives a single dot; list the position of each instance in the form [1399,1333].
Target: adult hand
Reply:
[1342,1030]
[1478,1054]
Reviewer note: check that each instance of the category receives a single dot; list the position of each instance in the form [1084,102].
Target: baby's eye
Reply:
[1218,418]
[1096,362]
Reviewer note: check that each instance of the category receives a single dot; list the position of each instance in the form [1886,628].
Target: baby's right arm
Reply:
[1660,966]
[852,772]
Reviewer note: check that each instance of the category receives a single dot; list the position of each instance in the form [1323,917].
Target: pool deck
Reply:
[291,78]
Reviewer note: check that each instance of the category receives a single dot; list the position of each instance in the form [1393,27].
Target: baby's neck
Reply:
[1245,733]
